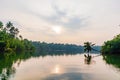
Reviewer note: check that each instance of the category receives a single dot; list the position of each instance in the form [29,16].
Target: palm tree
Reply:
[9,24]
[88,47]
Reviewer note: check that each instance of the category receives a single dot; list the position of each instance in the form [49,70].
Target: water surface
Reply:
[64,67]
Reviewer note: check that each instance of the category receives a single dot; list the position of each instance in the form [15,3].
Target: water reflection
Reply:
[55,66]
[87,59]
[7,60]
[6,73]
[6,63]
[112,60]
[56,69]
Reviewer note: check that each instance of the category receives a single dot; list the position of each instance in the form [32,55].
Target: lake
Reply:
[61,67]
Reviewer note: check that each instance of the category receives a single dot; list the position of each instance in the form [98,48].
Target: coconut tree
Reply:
[9,27]
[88,47]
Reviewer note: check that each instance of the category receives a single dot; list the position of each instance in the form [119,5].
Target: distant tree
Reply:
[9,24]
[1,25]
[88,46]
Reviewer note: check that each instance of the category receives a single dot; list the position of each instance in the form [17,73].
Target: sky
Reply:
[63,21]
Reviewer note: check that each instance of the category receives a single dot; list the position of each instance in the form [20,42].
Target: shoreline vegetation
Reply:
[111,51]
[112,46]
[11,41]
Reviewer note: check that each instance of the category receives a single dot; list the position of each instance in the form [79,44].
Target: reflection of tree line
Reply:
[112,59]
[6,63]
[55,53]
[8,59]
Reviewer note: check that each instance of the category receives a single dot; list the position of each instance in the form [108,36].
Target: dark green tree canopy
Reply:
[112,46]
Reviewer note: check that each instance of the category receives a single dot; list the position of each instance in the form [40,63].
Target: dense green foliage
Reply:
[9,40]
[112,46]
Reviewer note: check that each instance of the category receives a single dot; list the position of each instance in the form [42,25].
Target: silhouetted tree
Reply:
[88,46]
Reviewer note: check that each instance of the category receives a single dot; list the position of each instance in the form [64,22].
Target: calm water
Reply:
[65,67]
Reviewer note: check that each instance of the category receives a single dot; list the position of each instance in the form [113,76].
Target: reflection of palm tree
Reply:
[88,59]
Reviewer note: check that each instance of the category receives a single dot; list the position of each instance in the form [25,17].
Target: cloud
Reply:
[61,18]
[52,14]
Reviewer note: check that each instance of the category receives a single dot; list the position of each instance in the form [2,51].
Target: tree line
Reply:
[57,47]
[11,41]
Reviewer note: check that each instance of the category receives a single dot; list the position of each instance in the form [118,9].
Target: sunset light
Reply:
[57,29]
